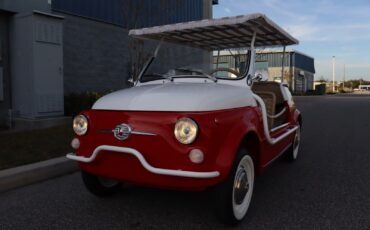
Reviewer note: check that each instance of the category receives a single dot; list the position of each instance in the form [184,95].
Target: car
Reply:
[193,128]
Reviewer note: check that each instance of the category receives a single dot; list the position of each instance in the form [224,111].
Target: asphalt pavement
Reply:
[328,187]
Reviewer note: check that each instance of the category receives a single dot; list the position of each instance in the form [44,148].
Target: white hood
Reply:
[177,97]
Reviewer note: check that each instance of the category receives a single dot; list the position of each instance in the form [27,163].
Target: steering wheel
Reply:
[236,73]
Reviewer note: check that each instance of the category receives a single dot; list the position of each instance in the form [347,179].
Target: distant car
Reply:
[191,130]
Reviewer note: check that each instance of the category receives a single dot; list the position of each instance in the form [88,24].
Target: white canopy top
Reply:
[222,33]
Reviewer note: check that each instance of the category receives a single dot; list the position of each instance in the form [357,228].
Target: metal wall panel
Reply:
[291,59]
[274,59]
[304,62]
[24,6]
[101,10]
[151,12]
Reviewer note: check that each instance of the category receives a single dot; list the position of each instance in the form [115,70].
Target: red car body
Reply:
[221,134]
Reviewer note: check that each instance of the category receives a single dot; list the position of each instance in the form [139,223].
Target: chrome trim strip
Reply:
[284,135]
[132,132]
[271,140]
[278,114]
[143,133]
[144,163]
[279,127]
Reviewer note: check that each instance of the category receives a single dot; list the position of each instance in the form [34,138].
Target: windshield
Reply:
[176,61]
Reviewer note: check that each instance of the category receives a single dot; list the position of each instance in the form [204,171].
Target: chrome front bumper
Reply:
[144,163]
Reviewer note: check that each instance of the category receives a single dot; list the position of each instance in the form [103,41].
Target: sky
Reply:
[324,28]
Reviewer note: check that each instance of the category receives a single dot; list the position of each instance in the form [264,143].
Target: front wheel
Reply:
[233,196]
[100,186]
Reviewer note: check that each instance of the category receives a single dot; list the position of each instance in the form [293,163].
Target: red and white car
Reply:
[193,128]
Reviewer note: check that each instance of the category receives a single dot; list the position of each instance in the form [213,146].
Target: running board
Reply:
[266,130]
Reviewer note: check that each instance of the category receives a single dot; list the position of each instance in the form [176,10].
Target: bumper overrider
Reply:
[143,162]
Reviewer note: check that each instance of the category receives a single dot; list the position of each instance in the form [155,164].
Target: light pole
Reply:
[333,74]
[344,74]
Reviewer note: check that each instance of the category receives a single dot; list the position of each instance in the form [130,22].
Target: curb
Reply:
[36,172]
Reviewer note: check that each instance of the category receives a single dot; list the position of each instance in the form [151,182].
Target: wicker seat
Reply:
[270,100]
[270,93]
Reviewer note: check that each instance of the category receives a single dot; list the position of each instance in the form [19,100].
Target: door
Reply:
[48,66]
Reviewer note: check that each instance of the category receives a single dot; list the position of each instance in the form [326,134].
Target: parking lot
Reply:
[327,188]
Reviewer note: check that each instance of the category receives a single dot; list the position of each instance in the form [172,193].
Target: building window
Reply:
[223,74]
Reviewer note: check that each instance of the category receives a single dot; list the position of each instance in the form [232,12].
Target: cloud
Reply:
[323,27]
[358,65]
[330,32]
[302,31]
[346,9]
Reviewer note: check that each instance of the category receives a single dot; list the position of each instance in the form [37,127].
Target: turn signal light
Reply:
[196,156]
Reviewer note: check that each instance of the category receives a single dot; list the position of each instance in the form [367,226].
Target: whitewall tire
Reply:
[292,153]
[232,197]
[243,187]
[100,186]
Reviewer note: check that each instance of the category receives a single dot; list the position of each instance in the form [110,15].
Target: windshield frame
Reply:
[249,65]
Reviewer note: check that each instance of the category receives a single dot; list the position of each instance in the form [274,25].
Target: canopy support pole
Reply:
[253,39]
[218,56]
[282,65]
[252,59]
[253,55]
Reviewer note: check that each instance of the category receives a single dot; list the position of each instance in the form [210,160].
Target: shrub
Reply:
[75,103]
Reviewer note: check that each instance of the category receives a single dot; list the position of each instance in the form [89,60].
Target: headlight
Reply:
[80,125]
[186,130]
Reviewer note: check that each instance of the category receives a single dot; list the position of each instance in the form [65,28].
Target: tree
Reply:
[322,79]
[131,11]
[356,82]
[133,18]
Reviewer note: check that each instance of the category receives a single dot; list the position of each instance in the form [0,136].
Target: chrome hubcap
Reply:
[241,186]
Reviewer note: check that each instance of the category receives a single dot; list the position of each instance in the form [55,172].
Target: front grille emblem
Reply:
[122,132]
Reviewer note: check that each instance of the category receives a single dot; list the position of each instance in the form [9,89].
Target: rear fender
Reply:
[298,117]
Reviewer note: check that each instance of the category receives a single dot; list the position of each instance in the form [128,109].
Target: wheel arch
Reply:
[245,134]
[252,144]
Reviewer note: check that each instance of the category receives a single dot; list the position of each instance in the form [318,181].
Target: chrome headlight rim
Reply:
[80,125]
[186,122]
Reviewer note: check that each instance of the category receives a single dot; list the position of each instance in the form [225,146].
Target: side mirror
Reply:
[258,77]
[130,81]
[249,80]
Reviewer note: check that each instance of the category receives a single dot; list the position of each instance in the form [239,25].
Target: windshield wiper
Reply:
[155,75]
[197,71]
[149,62]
